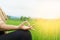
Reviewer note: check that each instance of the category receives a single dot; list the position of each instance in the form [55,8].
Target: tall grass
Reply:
[41,32]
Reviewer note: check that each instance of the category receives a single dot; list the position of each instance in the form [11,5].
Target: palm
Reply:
[25,27]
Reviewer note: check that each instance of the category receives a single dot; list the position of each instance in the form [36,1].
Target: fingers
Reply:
[29,28]
[27,22]
[32,27]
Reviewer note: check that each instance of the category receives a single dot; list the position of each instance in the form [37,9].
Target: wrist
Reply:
[17,27]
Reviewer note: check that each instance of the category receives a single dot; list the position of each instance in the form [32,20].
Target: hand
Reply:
[25,27]
[26,22]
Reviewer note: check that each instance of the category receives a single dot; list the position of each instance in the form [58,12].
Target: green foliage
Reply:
[25,18]
[36,34]
[22,18]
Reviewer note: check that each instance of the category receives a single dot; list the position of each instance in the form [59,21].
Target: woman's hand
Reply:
[23,27]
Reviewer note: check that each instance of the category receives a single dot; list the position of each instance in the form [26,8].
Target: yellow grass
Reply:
[49,26]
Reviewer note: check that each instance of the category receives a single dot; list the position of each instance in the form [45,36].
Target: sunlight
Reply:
[49,26]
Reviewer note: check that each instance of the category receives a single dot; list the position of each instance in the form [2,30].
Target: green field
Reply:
[38,33]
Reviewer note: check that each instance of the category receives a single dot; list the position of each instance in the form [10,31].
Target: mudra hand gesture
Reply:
[23,27]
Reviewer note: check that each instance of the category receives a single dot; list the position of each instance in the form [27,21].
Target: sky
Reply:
[32,8]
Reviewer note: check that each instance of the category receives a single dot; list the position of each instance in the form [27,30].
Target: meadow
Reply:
[43,29]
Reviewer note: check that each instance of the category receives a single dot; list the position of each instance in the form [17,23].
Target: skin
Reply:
[5,27]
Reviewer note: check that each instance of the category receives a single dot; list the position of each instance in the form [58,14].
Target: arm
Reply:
[4,27]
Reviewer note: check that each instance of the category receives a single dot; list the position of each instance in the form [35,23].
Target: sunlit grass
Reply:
[49,29]
[44,29]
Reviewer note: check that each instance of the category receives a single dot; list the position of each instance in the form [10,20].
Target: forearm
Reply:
[5,27]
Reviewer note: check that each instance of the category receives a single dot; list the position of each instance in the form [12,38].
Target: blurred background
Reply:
[43,14]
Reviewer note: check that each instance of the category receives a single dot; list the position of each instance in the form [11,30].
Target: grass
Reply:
[43,29]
